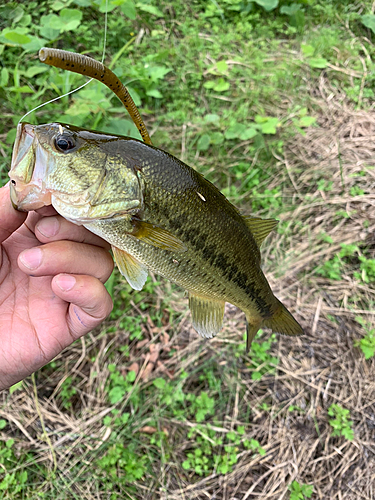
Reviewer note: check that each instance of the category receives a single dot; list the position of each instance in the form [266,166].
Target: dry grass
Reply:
[314,371]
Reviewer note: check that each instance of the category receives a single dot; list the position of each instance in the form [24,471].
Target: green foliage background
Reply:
[224,85]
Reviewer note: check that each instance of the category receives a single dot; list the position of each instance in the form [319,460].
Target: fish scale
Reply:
[158,214]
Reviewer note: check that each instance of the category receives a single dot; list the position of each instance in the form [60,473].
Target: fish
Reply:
[158,214]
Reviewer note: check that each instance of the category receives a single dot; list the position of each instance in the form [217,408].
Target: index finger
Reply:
[57,228]
[10,219]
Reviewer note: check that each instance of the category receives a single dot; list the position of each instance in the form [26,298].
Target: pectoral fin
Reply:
[206,314]
[157,236]
[260,228]
[131,268]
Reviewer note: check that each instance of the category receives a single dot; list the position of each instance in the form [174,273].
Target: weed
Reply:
[340,422]
[12,483]
[367,343]
[172,396]
[261,361]
[67,392]
[119,385]
[300,491]
[121,463]
[213,452]
[201,406]
[351,254]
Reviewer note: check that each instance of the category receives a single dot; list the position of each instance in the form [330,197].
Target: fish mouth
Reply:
[29,164]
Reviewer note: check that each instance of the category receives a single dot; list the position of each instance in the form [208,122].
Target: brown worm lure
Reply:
[84,65]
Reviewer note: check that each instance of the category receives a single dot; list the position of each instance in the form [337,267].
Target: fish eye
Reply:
[64,143]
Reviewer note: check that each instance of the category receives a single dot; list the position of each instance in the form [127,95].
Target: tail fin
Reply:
[283,322]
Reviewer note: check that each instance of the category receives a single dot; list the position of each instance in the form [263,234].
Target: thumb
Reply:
[10,219]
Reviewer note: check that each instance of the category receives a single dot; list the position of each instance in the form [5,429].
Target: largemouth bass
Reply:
[157,213]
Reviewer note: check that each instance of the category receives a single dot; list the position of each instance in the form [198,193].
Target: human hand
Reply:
[51,287]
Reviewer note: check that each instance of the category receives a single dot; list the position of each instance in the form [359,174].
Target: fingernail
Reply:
[32,258]
[65,282]
[48,226]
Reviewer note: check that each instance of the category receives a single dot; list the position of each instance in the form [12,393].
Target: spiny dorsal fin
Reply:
[206,315]
[157,236]
[260,228]
[131,268]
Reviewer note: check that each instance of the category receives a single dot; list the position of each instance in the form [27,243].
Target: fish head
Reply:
[83,175]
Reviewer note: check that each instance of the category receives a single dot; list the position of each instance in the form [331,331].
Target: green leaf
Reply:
[211,118]
[221,85]
[318,62]
[209,85]
[159,383]
[3,423]
[4,77]
[150,9]
[235,130]
[154,93]
[204,142]
[15,387]
[106,6]
[17,14]
[249,133]
[35,70]
[116,394]
[290,10]
[9,443]
[222,66]
[270,126]
[368,20]
[307,50]
[268,4]
[217,138]
[128,8]
[82,3]
[59,4]
[18,38]
[306,121]
[71,19]
[158,72]
[50,26]
[121,126]
[22,477]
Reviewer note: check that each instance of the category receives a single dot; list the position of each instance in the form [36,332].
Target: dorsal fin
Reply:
[260,228]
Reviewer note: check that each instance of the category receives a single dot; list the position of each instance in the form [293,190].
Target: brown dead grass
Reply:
[316,370]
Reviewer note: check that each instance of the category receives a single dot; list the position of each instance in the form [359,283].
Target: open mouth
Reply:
[24,140]
[27,190]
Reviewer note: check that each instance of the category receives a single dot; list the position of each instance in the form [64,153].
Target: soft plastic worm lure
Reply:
[84,65]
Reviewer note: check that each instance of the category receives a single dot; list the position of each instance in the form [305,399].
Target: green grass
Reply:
[300,491]
[341,424]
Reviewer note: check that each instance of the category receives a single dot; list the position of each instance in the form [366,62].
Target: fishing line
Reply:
[88,81]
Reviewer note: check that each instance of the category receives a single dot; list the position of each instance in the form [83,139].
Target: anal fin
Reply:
[207,315]
[135,272]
